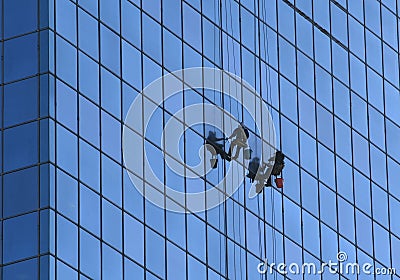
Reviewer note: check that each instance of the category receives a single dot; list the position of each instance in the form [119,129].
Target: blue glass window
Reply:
[378,166]
[67,150]
[394,208]
[66,19]
[374,51]
[14,11]
[376,127]
[362,192]
[111,136]
[375,89]
[346,219]
[22,270]
[196,237]
[328,211]
[380,198]
[329,246]
[172,48]
[90,255]
[305,73]
[175,227]
[172,15]
[20,57]
[131,63]
[324,87]
[65,272]
[91,6]
[151,38]
[196,270]
[359,114]
[304,34]
[340,63]
[20,237]
[132,270]
[360,153]
[311,233]
[66,107]
[357,40]
[343,140]
[389,27]
[290,139]
[288,96]
[321,13]
[133,200]
[89,165]
[20,192]
[344,177]
[131,23]
[391,64]
[134,239]
[326,166]
[155,253]
[381,244]
[88,77]
[109,13]
[307,113]
[111,262]
[356,8]
[325,126]
[192,27]
[89,121]
[373,16]
[21,102]
[66,66]
[308,146]
[88,34]
[67,196]
[177,258]
[110,49]
[67,241]
[392,102]
[89,210]
[110,93]
[339,24]
[364,231]
[358,76]
[286,21]
[292,220]
[393,177]
[21,146]
[111,179]
[287,59]
[112,225]
[309,193]
[322,47]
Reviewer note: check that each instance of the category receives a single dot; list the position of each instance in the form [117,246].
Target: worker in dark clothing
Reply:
[239,136]
[218,148]
[253,168]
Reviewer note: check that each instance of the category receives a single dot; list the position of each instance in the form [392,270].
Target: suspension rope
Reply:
[269,104]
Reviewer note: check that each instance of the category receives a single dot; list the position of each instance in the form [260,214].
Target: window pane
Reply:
[20,238]
[20,192]
[20,146]
[20,57]
[22,270]
[14,11]
[21,102]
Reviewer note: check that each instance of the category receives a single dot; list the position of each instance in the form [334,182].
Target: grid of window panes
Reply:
[24,140]
[330,71]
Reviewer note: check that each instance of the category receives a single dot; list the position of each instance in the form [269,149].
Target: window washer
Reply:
[240,135]
[218,148]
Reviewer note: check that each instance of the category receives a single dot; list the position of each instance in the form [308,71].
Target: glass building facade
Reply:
[70,69]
